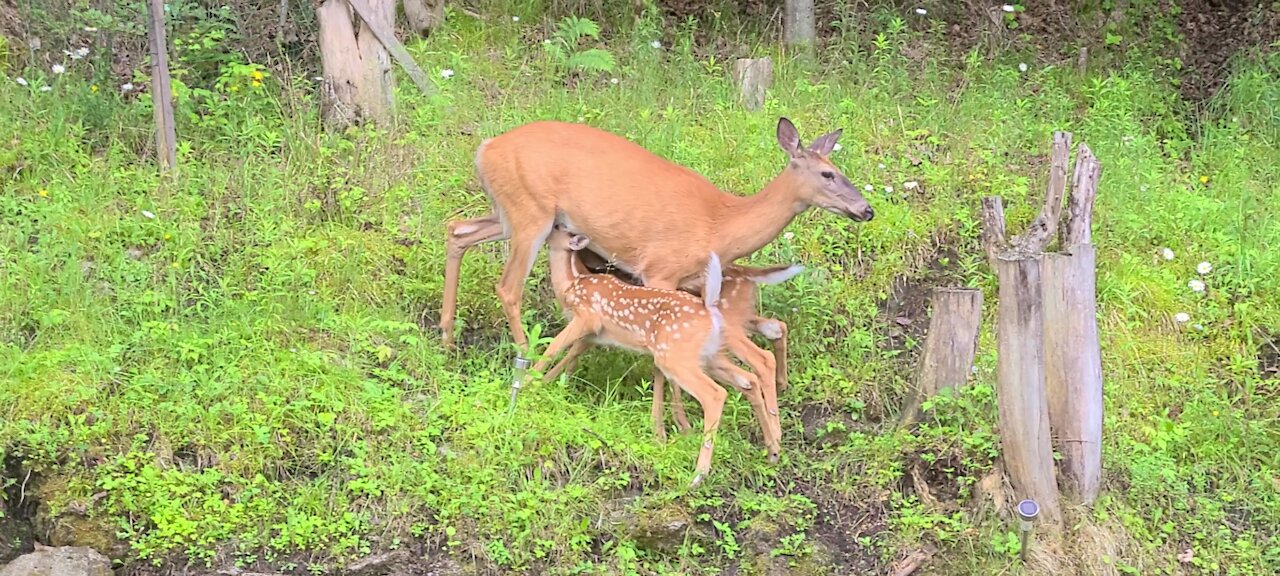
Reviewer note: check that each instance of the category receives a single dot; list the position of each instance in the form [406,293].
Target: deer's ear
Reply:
[788,137]
[578,241]
[826,143]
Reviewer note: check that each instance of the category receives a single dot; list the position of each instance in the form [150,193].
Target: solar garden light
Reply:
[1027,512]
[521,364]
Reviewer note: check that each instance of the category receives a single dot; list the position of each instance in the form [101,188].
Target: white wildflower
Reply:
[1196,285]
[1166,253]
[921,11]
[881,166]
[613,80]
[1204,268]
[21,81]
[78,53]
[126,87]
[90,28]
[311,292]
[582,119]
[547,41]
[446,73]
[656,44]
[888,189]
[1182,317]
[837,147]
[59,69]
[868,187]
[910,184]
[149,214]
[1022,66]
[1198,326]
[788,235]
[515,18]
[46,88]
[1142,188]
[1008,8]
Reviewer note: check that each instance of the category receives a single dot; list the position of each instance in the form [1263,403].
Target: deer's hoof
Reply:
[697,480]
[773,458]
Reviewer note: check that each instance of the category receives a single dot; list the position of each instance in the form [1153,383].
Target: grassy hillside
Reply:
[240,365]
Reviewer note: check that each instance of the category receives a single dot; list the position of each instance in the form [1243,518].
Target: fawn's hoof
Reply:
[773,458]
[697,479]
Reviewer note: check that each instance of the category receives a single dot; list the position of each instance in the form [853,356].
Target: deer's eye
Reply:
[828,175]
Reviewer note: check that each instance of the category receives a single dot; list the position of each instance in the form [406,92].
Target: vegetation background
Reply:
[238,367]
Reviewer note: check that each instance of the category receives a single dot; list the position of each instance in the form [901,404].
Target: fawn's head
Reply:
[562,239]
[820,182]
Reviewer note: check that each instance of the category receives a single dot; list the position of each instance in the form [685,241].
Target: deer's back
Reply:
[634,204]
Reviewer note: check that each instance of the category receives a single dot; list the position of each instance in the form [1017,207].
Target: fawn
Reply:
[738,298]
[684,334]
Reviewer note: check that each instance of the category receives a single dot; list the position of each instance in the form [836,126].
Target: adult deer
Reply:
[649,216]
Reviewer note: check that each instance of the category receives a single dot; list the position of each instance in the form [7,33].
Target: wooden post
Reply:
[753,77]
[1073,354]
[949,348]
[1023,406]
[162,91]
[798,23]
[1021,393]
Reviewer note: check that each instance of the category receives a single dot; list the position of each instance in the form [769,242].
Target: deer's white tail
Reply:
[711,299]
[772,274]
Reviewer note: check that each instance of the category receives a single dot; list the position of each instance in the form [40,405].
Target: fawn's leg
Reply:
[776,331]
[687,375]
[570,360]
[459,236]
[575,331]
[724,370]
[763,365]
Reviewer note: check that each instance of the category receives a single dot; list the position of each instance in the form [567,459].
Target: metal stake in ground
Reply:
[517,379]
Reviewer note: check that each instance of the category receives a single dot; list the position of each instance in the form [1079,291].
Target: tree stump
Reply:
[1025,432]
[753,77]
[1073,353]
[357,67]
[949,348]
[798,23]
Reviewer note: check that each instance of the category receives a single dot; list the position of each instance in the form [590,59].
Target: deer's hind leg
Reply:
[461,235]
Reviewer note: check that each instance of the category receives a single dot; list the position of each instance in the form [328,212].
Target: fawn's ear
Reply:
[578,241]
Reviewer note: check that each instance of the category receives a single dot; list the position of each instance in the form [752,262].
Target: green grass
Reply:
[242,359]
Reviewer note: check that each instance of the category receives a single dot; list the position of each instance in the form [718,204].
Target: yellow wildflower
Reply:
[43,193]
[168,236]
[93,88]
[256,83]
[256,75]
[1204,179]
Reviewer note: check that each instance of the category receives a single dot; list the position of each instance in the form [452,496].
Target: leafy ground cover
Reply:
[239,365]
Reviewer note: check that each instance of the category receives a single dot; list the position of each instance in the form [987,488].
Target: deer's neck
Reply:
[747,223]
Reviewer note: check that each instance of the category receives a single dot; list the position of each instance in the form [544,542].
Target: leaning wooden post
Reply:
[162,91]
[1021,396]
[1073,354]
[949,347]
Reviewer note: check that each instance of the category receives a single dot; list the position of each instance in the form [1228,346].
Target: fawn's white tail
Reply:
[711,299]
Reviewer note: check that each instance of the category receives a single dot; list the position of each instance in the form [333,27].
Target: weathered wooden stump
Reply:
[1073,353]
[1049,372]
[753,76]
[949,347]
